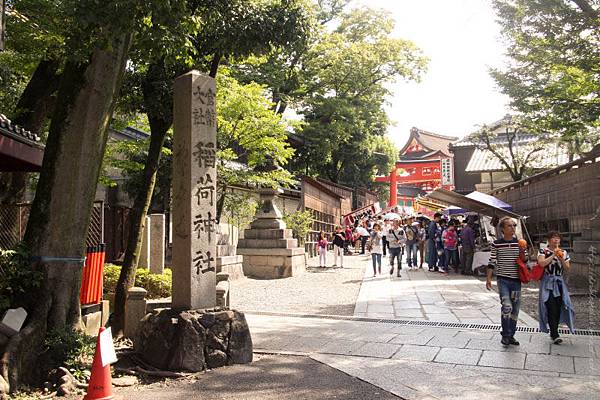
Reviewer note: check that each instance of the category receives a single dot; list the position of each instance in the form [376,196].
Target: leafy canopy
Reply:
[553,77]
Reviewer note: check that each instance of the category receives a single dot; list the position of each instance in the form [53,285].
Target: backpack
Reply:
[410,233]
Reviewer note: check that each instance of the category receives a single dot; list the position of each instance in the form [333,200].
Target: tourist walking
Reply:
[503,259]
[412,237]
[439,242]
[364,236]
[338,246]
[396,239]
[385,228]
[376,248]
[432,256]
[422,239]
[348,235]
[450,239]
[322,249]
[554,301]
[467,237]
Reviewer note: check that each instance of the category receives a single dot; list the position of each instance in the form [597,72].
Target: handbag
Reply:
[523,271]
[536,273]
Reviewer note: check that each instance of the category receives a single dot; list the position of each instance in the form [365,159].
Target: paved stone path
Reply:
[429,296]
[399,352]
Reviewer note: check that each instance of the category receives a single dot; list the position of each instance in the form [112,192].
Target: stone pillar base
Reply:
[194,340]
[273,263]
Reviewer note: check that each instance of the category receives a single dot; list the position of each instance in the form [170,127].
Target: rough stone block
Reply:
[92,322]
[12,321]
[194,340]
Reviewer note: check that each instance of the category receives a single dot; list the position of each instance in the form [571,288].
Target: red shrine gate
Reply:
[424,165]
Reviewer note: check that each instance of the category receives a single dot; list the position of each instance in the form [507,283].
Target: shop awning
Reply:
[450,198]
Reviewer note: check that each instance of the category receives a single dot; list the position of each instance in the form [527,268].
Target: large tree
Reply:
[95,56]
[553,75]
[345,75]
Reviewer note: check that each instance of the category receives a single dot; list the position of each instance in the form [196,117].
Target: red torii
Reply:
[393,180]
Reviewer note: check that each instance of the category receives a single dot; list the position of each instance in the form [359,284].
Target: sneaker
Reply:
[505,341]
[399,276]
[392,270]
[513,341]
[557,340]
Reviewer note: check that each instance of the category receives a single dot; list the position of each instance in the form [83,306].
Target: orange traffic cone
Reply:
[100,386]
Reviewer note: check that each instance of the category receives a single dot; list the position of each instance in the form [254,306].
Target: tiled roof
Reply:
[484,161]
[7,128]
[429,140]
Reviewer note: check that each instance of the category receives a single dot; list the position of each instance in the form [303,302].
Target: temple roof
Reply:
[20,150]
[421,144]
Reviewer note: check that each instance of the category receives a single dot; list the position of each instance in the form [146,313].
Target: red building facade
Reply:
[424,165]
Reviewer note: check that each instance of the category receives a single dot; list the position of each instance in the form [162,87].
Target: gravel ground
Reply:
[331,291]
[587,310]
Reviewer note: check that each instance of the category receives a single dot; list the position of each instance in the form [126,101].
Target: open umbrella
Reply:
[391,215]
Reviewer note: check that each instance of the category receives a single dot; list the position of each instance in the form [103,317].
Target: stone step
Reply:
[590,234]
[268,234]
[583,246]
[267,243]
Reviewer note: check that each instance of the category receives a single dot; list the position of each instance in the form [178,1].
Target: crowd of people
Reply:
[410,240]
[417,240]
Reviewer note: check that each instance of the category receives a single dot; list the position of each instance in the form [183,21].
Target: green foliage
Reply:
[338,83]
[69,348]
[552,77]
[157,285]
[239,209]
[246,121]
[17,279]
[300,223]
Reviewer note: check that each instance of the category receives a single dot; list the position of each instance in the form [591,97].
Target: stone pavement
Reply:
[402,352]
[429,296]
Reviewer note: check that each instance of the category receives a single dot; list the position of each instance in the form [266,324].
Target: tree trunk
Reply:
[158,101]
[60,212]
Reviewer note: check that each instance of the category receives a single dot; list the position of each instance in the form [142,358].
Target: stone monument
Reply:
[144,260]
[194,335]
[268,248]
[157,244]
[194,192]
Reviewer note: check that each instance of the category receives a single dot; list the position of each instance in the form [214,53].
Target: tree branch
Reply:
[587,9]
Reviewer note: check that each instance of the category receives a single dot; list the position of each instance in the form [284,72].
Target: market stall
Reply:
[488,210]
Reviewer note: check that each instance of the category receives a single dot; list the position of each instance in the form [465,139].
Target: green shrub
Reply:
[17,279]
[300,223]
[157,285]
[71,349]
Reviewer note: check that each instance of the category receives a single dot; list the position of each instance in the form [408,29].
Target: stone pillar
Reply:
[144,260]
[135,310]
[194,192]
[157,245]
[393,188]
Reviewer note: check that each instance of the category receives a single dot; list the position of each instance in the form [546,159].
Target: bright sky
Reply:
[462,40]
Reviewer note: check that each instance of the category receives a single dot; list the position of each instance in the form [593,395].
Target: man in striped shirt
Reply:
[503,259]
